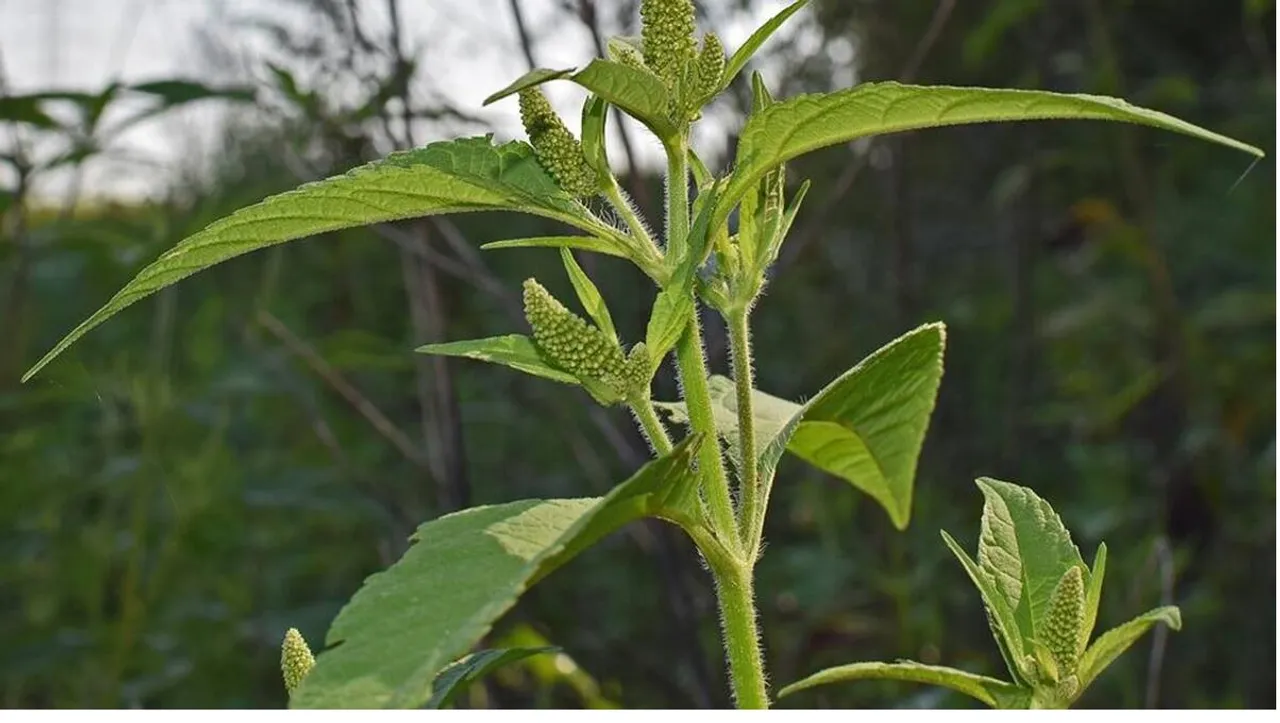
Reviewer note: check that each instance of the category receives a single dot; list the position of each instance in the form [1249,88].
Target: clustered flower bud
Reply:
[572,344]
[667,29]
[1062,628]
[558,152]
[710,68]
[296,659]
[626,54]
[638,375]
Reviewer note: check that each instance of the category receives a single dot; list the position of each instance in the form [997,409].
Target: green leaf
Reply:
[698,243]
[595,116]
[702,176]
[515,351]
[588,294]
[744,53]
[1000,615]
[993,692]
[1093,594]
[534,77]
[179,92]
[667,321]
[463,572]
[642,95]
[25,109]
[616,46]
[452,176]
[866,427]
[454,679]
[806,123]
[1026,549]
[1111,644]
[784,230]
[583,243]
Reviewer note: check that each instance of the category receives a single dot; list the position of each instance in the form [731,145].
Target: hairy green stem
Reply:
[741,636]
[733,577]
[697,398]
[677,197]
[652,426]
[754,494]
[627,211]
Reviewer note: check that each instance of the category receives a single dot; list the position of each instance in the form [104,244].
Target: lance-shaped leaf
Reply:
[762,34]
[866,427]
[1026,549]
[588,294]
[806,123]
[1093,594]
[582,243]
[531,79]
[454,679]
[667,321]
[513,350]
[462,573]
[995,693]
[26,109]
[1000,615]
[453,176]
[1111,644]
[638,92]
[595,118]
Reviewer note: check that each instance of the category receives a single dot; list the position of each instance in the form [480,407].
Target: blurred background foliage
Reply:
[234,456]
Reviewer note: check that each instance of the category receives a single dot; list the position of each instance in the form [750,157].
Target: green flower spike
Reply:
[667,28]
[296,659]
[710,68]
[1062,631]
[558,152]
[575,346]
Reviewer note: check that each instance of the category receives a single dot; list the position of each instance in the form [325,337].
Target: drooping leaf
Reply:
[995,693]
[1111,644]
[588,294]
[743,54]
[454,679]
[1000,616]
[463,572]
[513,350]
[534,77]
[775,420]
[866,427]
[806,123]
[1025,548]
[584,243]
[642,95]
[1093,595]
[452,176]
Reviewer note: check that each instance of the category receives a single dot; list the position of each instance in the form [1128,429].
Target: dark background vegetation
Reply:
[235,455]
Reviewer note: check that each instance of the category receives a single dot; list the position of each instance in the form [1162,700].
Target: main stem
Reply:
[737,602]
[733,577]
[690,357]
